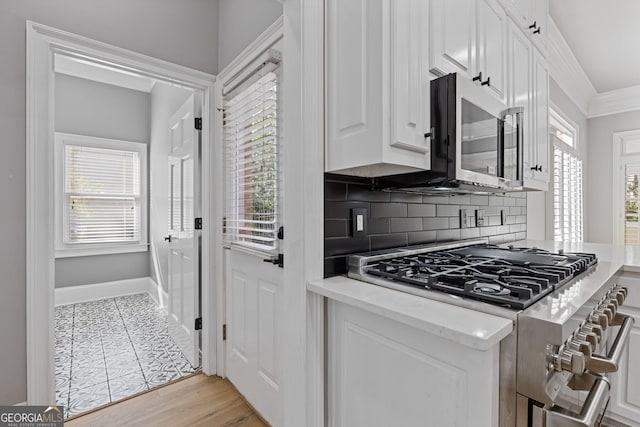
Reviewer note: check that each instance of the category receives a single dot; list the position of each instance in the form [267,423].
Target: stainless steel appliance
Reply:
[476,142]
[568,337]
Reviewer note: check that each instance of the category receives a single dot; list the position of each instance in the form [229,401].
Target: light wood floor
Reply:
[194,401]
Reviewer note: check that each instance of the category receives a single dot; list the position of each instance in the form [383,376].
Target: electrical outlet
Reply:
[479,218]
[464,219]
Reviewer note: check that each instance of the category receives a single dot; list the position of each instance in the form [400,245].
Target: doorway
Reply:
[45,45]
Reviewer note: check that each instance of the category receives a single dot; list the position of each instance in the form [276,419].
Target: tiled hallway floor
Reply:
[109,349]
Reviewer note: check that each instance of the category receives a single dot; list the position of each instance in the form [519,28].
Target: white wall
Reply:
[86,107]
[600,170]
[183,32]
[165,100]
[240,22]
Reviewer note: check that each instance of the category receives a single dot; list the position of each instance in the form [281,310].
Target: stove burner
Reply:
[512,277]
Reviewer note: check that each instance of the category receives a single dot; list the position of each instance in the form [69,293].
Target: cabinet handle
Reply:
[486,82]
[477,78]
[534,25]
[537,31]
[537,168]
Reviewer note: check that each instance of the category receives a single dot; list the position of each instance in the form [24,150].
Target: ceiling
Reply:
[605,38]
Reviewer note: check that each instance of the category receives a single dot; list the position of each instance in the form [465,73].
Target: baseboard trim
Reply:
[159,295]
[96,291]
[21,404]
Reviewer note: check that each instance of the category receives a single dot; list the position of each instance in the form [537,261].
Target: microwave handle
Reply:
[519,113]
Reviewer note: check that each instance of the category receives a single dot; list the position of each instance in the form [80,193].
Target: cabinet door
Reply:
[520,81]
[541,116]
[491,46]
[521,10]
[410,75]
[451,29]
[354,83]
[540,14]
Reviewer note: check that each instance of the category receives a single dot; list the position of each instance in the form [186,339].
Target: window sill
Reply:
[101,250]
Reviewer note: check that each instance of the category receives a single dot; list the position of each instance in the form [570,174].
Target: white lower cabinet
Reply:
[385,373]
[625,394]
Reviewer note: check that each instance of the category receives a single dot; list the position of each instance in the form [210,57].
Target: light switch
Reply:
[359,222]
[464,219]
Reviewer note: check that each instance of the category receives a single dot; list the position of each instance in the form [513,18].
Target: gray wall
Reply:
[85,107]
[183,32]
[599,182]
[240,22]
[539,203]
[165,100]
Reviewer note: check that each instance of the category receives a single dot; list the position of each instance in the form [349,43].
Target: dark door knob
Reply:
[168,239]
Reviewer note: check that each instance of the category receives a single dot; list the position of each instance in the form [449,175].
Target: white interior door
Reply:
[254,306]
[183,239]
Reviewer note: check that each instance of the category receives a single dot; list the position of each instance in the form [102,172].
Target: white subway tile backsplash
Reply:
[496,240]
[479,200]
[437,200]
[521,202]
[517,227]
[521,236]
[454,222]
[463,199]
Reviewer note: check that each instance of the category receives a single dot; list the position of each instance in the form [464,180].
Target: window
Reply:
[100,195]
[567,181]
[251,156]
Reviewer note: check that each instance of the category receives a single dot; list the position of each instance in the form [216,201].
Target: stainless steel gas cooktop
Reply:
[509,277]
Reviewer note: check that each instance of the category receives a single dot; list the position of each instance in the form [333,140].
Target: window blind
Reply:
[631,223]
[101,195]
[252,168]
[567,194]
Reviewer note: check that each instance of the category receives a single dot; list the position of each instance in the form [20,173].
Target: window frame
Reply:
[556,114]
[239,83]
[66,250]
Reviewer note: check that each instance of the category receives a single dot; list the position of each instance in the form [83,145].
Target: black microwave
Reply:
[476,142]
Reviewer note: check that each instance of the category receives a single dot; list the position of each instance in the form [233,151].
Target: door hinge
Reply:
[197,123]
[197,223]
[198,325]
[224,332]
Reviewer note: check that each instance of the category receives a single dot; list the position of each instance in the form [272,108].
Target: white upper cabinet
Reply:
[529,88]
[540,141]
[491,47]
[452,26]
[470,38]
[532,16]
[377,87]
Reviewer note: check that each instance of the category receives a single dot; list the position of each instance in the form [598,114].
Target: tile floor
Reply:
[109,349]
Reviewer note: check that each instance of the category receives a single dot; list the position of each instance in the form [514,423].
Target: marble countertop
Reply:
[471,328]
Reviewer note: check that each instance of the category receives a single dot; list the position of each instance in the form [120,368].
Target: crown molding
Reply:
[614,102]
[566,70]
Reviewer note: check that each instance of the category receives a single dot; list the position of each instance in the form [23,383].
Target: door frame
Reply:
[43,43]
[617,193]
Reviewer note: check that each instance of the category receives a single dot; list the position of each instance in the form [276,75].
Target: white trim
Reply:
[614,102]
[617,190]
[101,250]
[567,71]
[43,43]
[159,295]
[304,96]
[96,291]
[21,404]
